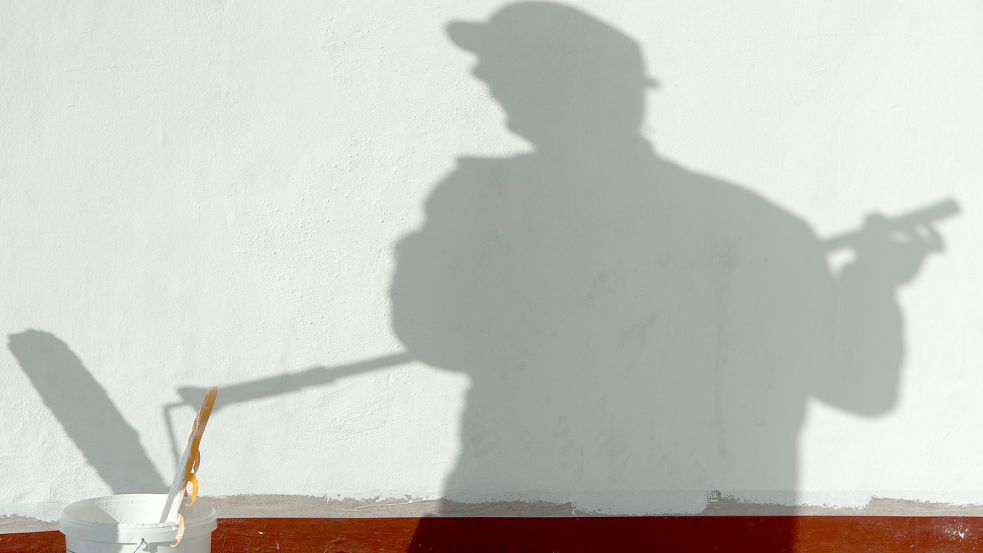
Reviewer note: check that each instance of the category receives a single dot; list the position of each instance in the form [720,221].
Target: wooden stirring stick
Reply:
[190,459]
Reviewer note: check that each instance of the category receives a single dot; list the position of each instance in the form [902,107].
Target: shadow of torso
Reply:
[636,334]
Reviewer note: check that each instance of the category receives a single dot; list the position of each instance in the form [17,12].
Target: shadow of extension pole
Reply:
[901,223]
[318,376]
[272,386]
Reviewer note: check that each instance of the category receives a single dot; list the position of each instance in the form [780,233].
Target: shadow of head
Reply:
[556,70]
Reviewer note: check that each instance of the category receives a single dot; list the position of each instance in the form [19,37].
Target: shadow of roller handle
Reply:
[276,385]
[924,216]
[272,386]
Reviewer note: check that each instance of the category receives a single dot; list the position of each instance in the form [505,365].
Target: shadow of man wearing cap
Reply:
[637,335]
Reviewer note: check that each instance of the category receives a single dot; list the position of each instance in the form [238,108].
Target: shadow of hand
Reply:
[891,256]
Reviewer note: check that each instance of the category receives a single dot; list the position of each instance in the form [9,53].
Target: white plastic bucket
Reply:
[128,524]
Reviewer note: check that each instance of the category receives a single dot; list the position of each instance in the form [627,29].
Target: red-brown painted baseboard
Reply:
[817,534]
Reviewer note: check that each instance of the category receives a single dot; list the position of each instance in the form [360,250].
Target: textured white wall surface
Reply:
[220,193]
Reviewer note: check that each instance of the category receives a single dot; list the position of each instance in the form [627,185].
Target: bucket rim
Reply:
[200,521]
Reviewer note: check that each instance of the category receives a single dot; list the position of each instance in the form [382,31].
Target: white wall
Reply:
[212,193]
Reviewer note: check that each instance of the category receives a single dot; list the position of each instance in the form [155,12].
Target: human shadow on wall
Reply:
[637,335]
[86,413]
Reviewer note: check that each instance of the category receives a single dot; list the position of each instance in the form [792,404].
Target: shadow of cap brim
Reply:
[467,35]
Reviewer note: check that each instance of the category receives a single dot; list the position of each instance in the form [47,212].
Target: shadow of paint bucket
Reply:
[128,524]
